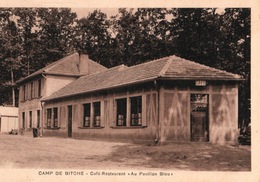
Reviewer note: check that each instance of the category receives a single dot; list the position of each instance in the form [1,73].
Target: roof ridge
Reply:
[165,67]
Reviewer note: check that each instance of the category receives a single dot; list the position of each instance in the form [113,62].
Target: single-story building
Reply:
[168,99]
[8,119]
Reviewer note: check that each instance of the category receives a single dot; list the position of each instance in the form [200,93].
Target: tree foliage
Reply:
[34,37]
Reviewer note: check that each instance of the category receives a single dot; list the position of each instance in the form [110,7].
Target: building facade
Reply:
[8,119]
[47,81]
[169,99]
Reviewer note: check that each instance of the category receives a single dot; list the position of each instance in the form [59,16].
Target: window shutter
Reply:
[36,88]
[63,116]
[29,90]
[144,123]
[81,114]
[112,112]
[26,91]
[74,114]
[21,93]
[60,111]
[45,118]
[102,113]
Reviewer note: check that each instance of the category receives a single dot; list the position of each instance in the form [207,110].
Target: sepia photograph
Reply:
[138,93]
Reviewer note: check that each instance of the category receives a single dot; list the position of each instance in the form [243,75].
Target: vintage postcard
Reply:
[133,91]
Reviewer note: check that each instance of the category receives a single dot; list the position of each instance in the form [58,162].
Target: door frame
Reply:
[206,122]
[69,114]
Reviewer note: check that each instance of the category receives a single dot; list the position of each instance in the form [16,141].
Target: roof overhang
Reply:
[134,83]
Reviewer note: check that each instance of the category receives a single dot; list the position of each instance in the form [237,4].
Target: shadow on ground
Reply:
[183,156]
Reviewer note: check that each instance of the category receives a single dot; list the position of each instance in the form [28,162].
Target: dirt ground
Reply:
[61,153]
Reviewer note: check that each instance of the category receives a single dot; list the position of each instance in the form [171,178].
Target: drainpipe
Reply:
[42,103]
[157,88]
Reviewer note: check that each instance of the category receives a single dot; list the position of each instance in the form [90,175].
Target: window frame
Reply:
[86,115]
[39,88]
[55,117]
[121,115]
[31,90]
[30,119]
[24,92]
[49,118]
[38,118]
[51,115]
[23,119]
[136,116]
[91,115]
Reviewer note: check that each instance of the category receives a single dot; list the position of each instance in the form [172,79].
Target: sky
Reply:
[83,12]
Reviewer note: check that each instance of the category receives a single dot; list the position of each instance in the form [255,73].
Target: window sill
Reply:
[127,127]
[97,127]
[53,128]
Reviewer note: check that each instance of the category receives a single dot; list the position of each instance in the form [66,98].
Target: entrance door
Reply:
[199,117]
[69,121]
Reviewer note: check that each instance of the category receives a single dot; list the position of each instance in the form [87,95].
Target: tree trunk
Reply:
[13,92]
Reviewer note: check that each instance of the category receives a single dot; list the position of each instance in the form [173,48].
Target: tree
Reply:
[27,29]
[94,38]
[10,50]
[56,32]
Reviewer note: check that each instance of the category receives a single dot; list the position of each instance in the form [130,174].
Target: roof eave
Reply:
[102,89]
[141,81]
[201,78]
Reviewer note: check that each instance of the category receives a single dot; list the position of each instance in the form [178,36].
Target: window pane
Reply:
[24,92]
[55,117]
[86,117]
[30,119]
[39,88]
[136,111]
[38,118]
[31,90]
[49,113]
[23,119]
[96,106]
[121,112]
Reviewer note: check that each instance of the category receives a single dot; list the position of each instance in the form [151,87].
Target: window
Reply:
[31,92]
[23,119]
[24,92]
[55,117]
[92,114]
[96,108]
[38,118]
[52,118]
[121,112]
[39,88]
[49,115]
[136,111]
[30,119]
[86,118]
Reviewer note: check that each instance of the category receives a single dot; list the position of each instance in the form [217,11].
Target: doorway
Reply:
[70,121]
[199,117]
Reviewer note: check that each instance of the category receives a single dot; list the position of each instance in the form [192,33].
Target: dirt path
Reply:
[62,153]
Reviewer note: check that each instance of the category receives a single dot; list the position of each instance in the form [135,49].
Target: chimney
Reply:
[83,64]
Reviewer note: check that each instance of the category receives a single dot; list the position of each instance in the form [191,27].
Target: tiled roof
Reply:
[67,66]
[165,68]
